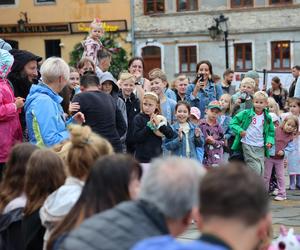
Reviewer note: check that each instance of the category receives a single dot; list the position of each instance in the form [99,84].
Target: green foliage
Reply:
[119,54]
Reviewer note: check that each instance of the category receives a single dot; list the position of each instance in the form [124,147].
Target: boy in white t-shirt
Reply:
[254,132]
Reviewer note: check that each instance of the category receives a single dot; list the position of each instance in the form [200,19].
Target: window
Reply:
[52,48]
[241,3]
[281,1]
[7,2]
[186,5]
[14,44]
[45,1]
[243,56]
[281,55]
[154,6]
[187,58]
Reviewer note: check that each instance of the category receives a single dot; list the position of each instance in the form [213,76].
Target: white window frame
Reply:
[177,63]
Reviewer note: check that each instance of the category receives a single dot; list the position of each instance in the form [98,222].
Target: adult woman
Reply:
[44,174]
[203,90]
[279,93]
[136,67]
[113,179]
[23,74]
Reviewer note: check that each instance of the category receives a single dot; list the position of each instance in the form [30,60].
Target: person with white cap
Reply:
[4,45]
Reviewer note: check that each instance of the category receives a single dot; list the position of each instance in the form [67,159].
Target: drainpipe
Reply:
[132,13]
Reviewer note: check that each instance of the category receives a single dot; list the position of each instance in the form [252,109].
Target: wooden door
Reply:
[152,58]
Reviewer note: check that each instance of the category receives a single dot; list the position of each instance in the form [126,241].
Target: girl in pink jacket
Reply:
[10,128]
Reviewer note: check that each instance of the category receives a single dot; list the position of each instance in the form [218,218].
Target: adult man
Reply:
[181,84]
[226,83]
[295,73]
[167,196]
[232,215]
[45,117]
[104,60]
[100,111]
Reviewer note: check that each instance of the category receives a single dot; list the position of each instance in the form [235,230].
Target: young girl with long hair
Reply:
[187,136]
[12,186]
[113,179]
[149,128]
[284,135]
[45,174]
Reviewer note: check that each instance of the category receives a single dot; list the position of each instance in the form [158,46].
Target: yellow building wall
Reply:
[64,11]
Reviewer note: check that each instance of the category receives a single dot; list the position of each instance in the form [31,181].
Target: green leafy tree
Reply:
[119,54]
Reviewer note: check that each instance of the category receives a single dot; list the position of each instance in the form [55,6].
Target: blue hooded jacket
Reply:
[170,243]
[45,117]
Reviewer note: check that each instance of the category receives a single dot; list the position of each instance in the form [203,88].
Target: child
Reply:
[132,102]
[254,133]
[85,64]
[293,158]
[187,136]
[224,120]
[10,107]
[273,106]
[243,98]
[158,82]
[146,128]
[195,119]
[283,136]
[213,134]
[93,44]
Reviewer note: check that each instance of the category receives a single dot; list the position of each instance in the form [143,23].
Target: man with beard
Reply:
[226,83]
[24,73]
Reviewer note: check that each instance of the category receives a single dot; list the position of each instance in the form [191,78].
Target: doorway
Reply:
[152,58]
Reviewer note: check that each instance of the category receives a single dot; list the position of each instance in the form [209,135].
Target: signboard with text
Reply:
[109,26]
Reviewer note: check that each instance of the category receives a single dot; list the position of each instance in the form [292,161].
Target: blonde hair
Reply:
[72,69]
[154,97]
[294,119]
[271,101]
[157,73]
[83,149]
[248,81]
[125,75]
[53,68]
[260,95]
[230,107]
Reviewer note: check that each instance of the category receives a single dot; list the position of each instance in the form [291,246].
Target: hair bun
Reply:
[80,135]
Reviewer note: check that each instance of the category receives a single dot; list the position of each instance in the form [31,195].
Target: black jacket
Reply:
[118,228]
[133,107]
[102,115]
[11,230]
[148,144]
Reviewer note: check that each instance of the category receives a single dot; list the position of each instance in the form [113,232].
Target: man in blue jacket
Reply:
[45,117]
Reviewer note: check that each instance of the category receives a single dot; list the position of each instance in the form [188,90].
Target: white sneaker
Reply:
[279,198]
[275,192]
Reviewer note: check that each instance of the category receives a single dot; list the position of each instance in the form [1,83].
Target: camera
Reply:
[199,77]
[244,97]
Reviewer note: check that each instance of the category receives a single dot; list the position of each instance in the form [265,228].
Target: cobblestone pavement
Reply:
[284,213]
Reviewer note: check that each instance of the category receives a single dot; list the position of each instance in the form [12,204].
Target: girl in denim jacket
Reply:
[187,136]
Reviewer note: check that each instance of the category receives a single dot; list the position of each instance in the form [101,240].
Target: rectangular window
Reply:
[241,3]
[52,48]
[280,2]
[281,55]
[243,56]
[45,1]
[187,58]
[7,2]
[154,6]
[187,5]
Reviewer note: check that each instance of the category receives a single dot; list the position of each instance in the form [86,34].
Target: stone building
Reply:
[173,34]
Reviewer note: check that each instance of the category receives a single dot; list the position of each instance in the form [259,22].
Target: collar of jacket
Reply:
[154,215]
[266,114]
[176,125]
[131,98]
[55,97]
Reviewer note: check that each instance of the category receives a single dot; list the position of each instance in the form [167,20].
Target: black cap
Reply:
[21,58]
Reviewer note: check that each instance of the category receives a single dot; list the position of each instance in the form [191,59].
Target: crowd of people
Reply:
[88,161]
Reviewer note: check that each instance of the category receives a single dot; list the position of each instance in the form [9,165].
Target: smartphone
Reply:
[199,77]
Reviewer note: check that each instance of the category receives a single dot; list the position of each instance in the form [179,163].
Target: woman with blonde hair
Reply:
[80,153]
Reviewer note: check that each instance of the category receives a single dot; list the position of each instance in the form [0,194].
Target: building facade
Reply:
[53,27]
[262,34]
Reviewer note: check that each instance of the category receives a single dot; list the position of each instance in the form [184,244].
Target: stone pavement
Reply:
[284,213]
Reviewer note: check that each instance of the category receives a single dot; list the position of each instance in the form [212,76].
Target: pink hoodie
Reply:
[10,128]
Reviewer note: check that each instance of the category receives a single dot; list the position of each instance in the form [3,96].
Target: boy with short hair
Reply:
[254,133]
[158,83]
[243,98]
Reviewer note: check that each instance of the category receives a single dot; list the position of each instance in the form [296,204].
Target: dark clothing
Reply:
[228,89]
[133,107]
[281,98]
[10,230]
[292,88]
[33,231]
[178,98]
[282,139]
[119,228]
[102,115]
[148,144]
[208,238]
[21,58]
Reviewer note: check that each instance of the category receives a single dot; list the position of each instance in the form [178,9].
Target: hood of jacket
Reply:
[41,88]
[6,62]
[107,76]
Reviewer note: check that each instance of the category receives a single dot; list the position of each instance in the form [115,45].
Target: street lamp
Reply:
[22,22]
[215,30]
